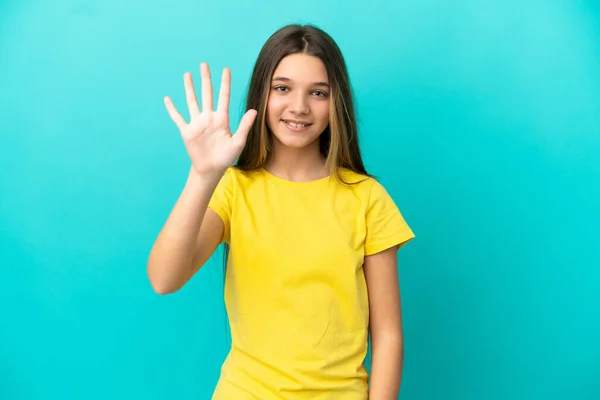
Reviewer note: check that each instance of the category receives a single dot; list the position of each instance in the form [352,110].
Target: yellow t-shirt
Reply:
[295,290]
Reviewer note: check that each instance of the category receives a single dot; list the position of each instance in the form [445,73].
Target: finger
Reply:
[207,92]
[224,94]
[245,125]
[190,95]
[175,116]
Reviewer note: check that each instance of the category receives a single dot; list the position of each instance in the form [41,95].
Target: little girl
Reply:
[311,238]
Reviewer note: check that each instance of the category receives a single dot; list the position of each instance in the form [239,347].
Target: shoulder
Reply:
[237,179]
[236,174]
[368,189]
[358,182]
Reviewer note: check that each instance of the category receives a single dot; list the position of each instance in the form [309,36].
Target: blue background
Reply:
[481,118]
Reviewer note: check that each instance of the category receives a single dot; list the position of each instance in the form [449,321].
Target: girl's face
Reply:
[299,94]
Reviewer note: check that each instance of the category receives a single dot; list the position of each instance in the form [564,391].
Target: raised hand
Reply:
[207,137]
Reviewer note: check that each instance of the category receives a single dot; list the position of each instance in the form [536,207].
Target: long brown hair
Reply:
[338,143]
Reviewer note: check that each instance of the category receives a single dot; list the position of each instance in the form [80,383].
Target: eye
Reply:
[323,94]
[276,88]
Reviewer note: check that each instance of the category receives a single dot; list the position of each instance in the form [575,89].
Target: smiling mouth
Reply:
[295,125]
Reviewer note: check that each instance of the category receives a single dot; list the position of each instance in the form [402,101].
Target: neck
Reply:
[305,164]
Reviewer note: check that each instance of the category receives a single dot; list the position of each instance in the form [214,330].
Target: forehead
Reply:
[301,68]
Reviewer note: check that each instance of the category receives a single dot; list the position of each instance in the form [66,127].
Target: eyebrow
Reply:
[284,79]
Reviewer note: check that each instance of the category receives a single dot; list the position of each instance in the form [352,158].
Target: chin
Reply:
[294,140]
[294,143]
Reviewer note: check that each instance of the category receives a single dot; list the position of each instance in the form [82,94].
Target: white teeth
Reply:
[295,125]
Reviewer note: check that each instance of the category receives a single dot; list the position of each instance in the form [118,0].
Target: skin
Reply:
[387,344]
[296,94]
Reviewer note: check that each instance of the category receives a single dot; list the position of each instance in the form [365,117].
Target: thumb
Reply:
[244,128]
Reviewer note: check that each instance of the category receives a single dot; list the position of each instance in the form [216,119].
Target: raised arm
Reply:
[193,231]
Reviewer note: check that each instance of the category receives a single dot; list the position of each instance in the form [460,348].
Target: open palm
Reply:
[207,137]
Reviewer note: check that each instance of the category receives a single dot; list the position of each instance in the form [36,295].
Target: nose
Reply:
[299,105]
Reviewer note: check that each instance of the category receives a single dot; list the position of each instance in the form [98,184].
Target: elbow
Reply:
[160,284]
[161,289]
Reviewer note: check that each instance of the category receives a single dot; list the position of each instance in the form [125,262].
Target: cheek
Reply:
[274,108]
[323,113]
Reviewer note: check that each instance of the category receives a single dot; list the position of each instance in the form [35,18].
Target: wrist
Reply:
[203,180]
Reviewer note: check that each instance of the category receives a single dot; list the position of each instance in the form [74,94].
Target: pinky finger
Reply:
[175,116]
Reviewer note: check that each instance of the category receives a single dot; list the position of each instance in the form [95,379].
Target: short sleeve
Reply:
[385,224]
[221,201]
